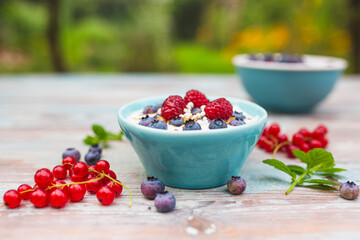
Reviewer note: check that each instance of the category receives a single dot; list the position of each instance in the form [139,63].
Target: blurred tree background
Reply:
[170,35]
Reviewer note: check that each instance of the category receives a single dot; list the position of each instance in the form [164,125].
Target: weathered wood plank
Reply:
[42,115]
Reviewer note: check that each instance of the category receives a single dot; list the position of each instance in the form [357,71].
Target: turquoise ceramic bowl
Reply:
[193,159]
[289,87]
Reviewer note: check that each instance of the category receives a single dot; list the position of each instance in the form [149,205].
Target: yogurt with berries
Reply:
[193,112]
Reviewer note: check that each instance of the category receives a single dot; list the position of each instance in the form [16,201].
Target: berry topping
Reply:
[196,97]
[150,109]
[239,115]
[22,188]
[165,202]
[158,124]
[236,122]
[236,185]
[12,199]
[191,125]
[151,186]
[105,195]
[349,190]
[43,178]
[145,121]
[172,107]
[195,110]
[217,124]
[92,157]
[219,108]
[39,198]
[177,122]
[71,152]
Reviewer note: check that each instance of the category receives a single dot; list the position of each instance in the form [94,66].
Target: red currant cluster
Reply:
[97,179]
[272,141]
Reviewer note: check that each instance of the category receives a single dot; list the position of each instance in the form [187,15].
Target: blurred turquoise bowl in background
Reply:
[193,159]
[289,87]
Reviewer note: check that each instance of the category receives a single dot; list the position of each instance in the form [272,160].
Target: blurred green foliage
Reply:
[167,35]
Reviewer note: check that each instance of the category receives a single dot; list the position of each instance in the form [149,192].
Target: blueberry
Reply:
[145,121]
[156,116]
[165,202]
[150,109]
[72,152]
[195,110]
[96,147]
[92,157]
[252,57]
[236,122]
[191,125]
[217,124]
[177,122]
[236,185]
[290,58]
[239,115]
[268,57]
[151,186]
[349,190]
[158,124]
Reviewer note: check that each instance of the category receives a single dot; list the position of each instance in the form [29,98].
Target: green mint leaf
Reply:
[320,159]
[280,166]
[320,187]
[330,170]
[322,182]
[296,169]
[302,156]
[90,140]
[99,131]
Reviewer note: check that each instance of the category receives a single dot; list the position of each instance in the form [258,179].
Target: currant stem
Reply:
[276,149]
[73,183]
[273,139]
[114,180]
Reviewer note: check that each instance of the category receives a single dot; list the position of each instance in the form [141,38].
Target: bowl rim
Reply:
[335,64]
[123,121]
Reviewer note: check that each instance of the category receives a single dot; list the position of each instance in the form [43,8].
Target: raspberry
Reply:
[196,97]
[172,107]
[219,108]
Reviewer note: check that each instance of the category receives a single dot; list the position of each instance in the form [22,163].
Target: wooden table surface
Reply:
[40,116]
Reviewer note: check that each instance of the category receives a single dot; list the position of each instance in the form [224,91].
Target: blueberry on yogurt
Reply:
[191,125]
[177,122]
[158,124]
[236,122]
[145,121]
[217,124]
[239,115]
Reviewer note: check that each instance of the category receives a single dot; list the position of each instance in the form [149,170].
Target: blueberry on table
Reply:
[217,124]
[349,190]
[72,152]
[96,147]
[191,125]
[165,202]
[236,122]
[151,186]
[158,124]
[177,122]
[150,109]
[239,115]
[236,185]
[92,157]
[145,121]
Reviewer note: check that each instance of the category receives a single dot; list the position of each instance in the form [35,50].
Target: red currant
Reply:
[262,141]
[111,174]
[22,188]
[318,134]
[323,129]
[80,169]
[39,198]
[59,182]
[60,172]
[305,132]
[315,144]
[12,199]
[77,192]
[265,132]
[102,166]
[76,178]
[58,198]
[117,188]
[105,195]
[305,147]
[298,139]
[93,187]
[43,177]
[290,149]
[68,162]
[36,186]
[274,129]
[324,142]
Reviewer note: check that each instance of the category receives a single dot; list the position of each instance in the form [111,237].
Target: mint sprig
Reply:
[318,162]
[101,136]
